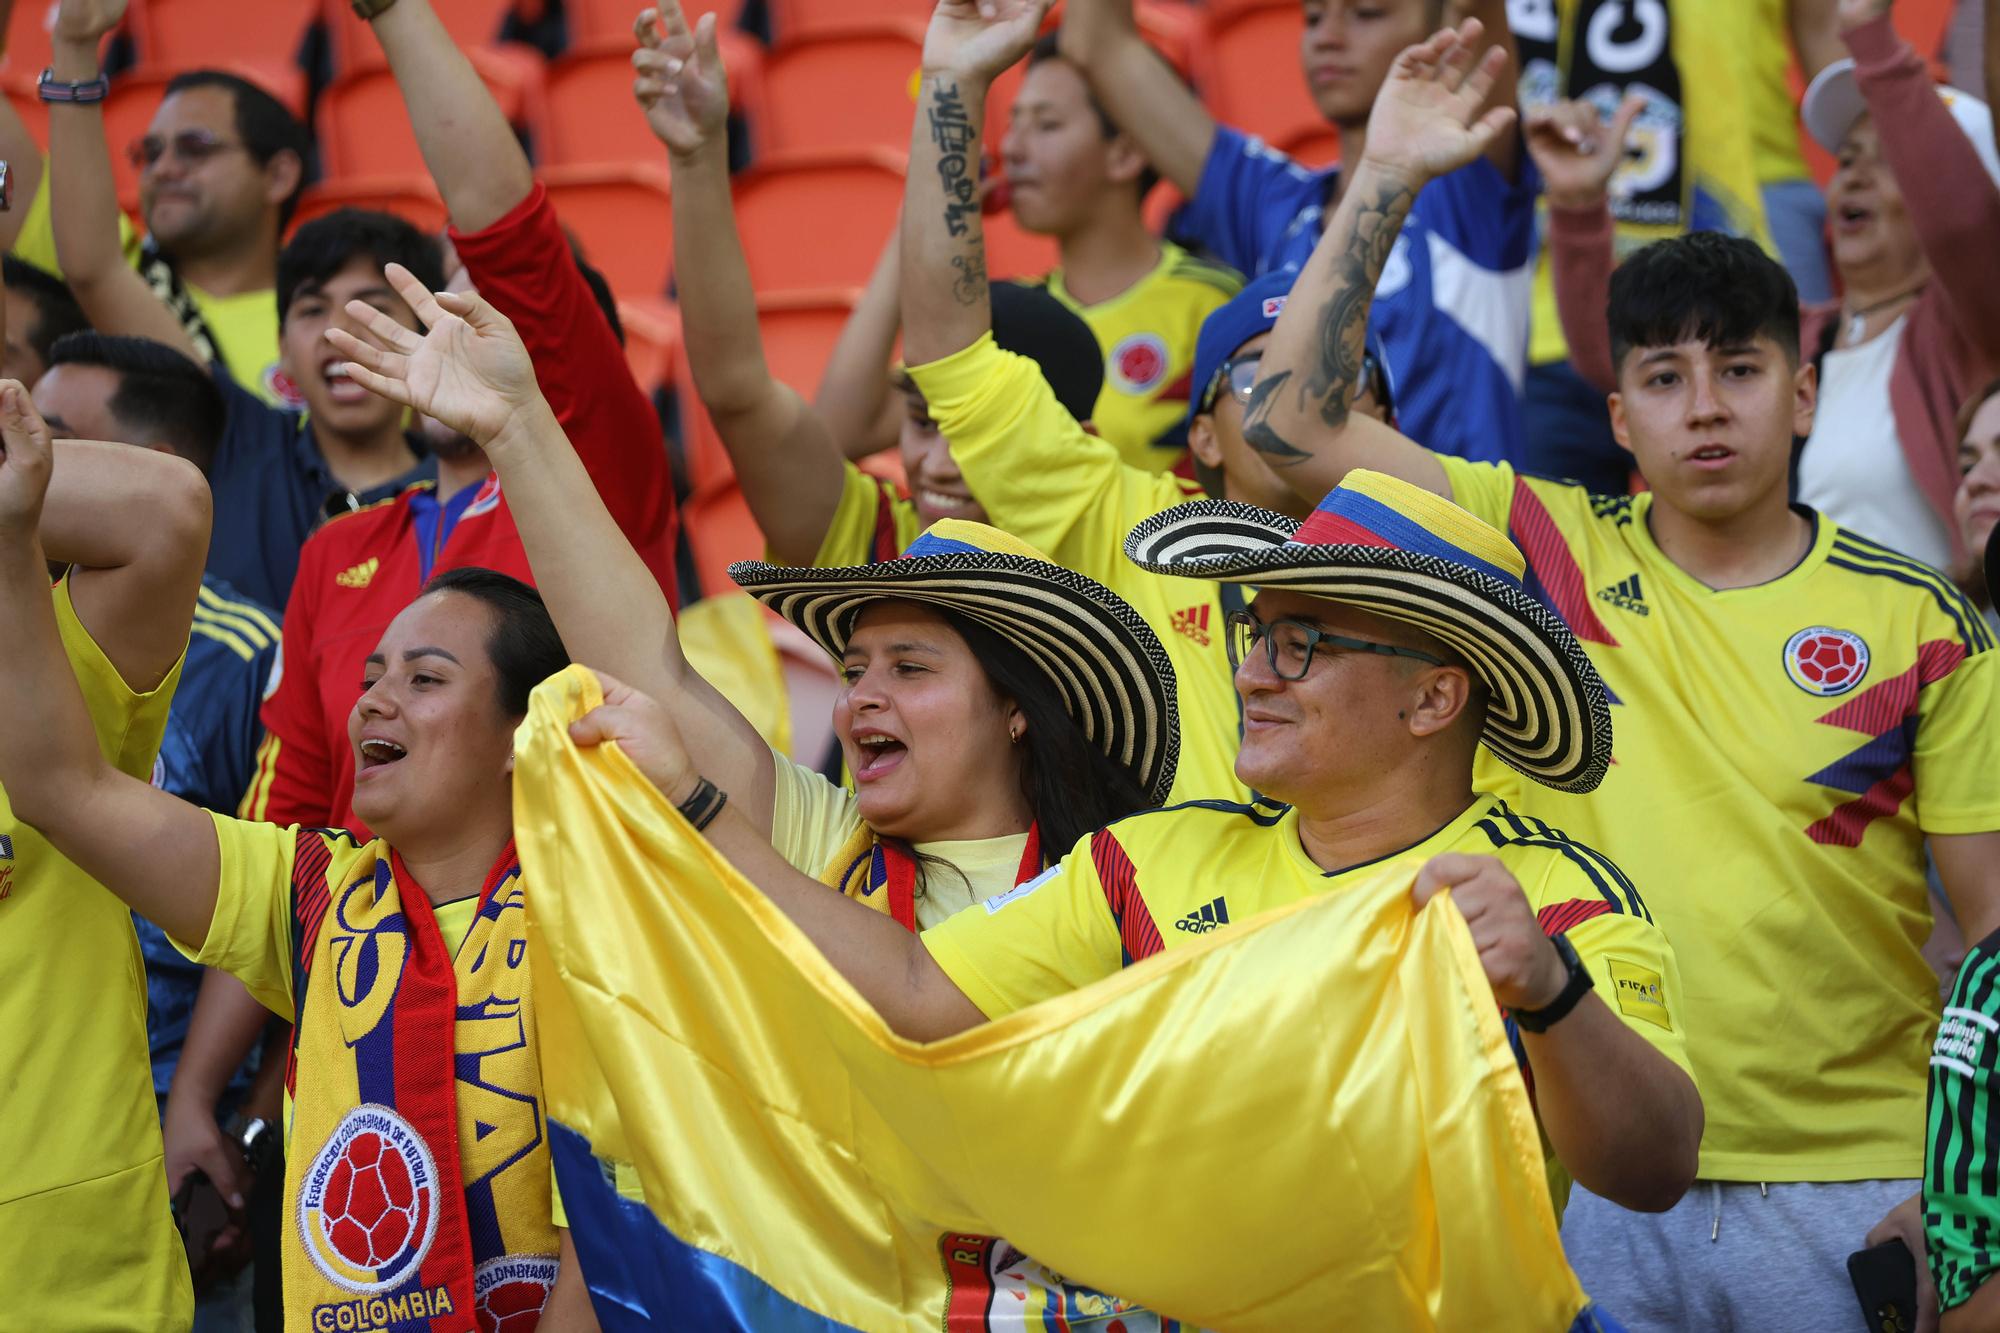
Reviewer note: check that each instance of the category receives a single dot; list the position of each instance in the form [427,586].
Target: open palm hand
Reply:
[680,81]
[1428,119]
[469,369]
[980,38]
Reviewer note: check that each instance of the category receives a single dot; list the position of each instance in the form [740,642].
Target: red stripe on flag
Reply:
[1326,528]
[971,1282]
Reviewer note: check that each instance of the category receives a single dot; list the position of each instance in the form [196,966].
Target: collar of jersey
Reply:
[1657,560]
[1431,845]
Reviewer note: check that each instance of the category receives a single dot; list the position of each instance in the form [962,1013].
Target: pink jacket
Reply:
[1951,344]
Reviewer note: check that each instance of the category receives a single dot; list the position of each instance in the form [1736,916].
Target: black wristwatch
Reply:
[1574,988]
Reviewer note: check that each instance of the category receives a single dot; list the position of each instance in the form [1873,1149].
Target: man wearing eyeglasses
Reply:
[221,168]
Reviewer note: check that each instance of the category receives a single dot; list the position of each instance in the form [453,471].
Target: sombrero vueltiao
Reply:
[1106,662]
[1394,549]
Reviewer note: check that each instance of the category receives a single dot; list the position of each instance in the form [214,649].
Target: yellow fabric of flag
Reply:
[1312,1116]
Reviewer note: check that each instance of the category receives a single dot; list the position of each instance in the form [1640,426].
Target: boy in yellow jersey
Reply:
[1073,175]
[1800,713]
[83,1197]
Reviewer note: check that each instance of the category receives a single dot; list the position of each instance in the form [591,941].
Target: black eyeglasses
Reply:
[193,147]
[1290,644]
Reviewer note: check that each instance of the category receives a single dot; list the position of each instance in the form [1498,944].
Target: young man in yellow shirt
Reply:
[83,1198]
[1072,174]
[1801,713]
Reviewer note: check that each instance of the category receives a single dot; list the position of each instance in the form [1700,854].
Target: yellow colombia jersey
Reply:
[1045,479]
[83,1196]
[1694,160]
[1781,752]
[244,327]
[1166,878]
[1148,333]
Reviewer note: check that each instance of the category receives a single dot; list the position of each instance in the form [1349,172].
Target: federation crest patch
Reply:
[1139,362]
[368,1208]
[1826,662]
[508,1293]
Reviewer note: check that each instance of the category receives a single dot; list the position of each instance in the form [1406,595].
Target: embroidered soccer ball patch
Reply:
[1139,362]
[1825,661]
[368,1205]
[508,1293]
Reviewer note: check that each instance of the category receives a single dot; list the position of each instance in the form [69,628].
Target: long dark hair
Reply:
[1070,784]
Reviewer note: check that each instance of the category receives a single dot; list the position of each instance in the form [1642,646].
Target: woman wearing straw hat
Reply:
[996,707]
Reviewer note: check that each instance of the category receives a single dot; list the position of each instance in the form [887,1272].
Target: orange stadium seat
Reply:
[1014,253]
[364,129]
[414,198]
[720,531]
[817,220]
[473,24]
[174,35]
[623,216]
[29,45]
[848,87]
[33,111]
[793,19]
[1249,73]
[591,21]
[1318,146]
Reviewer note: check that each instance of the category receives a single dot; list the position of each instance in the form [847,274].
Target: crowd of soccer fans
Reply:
[1567,486]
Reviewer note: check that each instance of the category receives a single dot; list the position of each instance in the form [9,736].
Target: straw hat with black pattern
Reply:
[1385,546]
[1106,663]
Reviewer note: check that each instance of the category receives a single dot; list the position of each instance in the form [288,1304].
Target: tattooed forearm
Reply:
[1343,320]
[970,284]
[1260,434]
[952,132]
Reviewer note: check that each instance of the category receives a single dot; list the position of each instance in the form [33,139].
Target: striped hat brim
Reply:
[1548,715]
[1106,662]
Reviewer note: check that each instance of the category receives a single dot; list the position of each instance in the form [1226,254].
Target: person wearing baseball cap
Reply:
[1914,196]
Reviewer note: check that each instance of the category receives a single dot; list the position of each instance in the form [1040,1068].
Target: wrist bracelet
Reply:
[1576,985]
[703,804]
[51,89]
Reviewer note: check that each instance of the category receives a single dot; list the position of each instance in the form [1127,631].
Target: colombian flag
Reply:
[1312,1119]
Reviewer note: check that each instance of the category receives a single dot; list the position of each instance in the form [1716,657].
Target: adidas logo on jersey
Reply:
[1625,595]
[6,865]
[358,576]
[1193,622]
[1204,919]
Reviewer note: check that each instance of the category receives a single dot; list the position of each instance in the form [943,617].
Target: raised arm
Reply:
[468,147]
[1504,151]
[1815,35]
[946,305]
[83,199]
[1953,204]
[155,851]
[470,371]
[786,459]
[854,398]
[1140,90]
[1426,121]
[1577,155]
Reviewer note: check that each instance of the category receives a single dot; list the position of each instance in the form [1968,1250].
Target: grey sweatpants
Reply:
[1730,1257]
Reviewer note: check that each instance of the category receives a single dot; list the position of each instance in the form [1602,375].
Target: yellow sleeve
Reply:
[1036,472]
[129,725]
[811,819]
[1487,489]
[1047,937]
[1958,748]
[250,936]
[850,538]
[36,241]
[1631,964]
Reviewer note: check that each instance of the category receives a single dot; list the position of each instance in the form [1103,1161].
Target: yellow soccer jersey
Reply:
[1781,752]
[244,328]
[873,521]
[1148,334]
[83,1196]
[1167,877]
[1045,479]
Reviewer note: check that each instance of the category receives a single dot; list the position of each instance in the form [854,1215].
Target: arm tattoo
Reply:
[1343,320]
[1260,434]
[969,287]
[952,132]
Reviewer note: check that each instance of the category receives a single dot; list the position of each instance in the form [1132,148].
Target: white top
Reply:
[1853,469]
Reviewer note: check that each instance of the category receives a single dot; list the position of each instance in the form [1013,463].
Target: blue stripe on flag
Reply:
[926,544]
[1406,533]
[643,1277]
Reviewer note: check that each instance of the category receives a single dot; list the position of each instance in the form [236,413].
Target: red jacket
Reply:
[1951,344]
[359,570]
